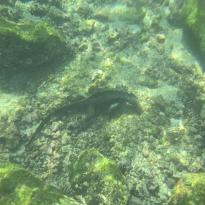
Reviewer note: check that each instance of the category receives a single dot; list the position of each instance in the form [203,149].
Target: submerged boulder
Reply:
[30,44]
[98,180]
[57,3]
[190,190]
[8,2]
[193,13]
[19,187]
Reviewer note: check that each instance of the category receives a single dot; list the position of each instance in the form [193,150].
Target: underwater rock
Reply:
[52,13]
[189,190]
[174,11]
[57,3]
[120,12]
[30,44]
[98,179]
[194,16]
[25,1]
[19,187]
[8,2]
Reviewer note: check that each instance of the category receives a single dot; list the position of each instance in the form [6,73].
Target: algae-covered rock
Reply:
[121,12]
[8,2]
[19,187]
[98,179]
[57,3]
[30,44]
[190,190]
[194,15]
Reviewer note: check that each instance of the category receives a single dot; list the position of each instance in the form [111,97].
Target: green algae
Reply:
[98,179]
[190,190]
[29,44]
[20,187]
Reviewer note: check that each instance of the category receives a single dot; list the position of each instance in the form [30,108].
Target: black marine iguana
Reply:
[101,102]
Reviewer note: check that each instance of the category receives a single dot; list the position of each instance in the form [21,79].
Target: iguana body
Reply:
[101,103]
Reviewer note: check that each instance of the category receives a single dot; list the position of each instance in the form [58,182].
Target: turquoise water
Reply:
[102,102]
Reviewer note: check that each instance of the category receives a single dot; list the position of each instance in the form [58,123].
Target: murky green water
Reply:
[102,102]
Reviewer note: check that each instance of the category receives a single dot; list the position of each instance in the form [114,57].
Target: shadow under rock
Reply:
[27,80]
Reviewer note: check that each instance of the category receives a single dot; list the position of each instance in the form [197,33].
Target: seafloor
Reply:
[55,80]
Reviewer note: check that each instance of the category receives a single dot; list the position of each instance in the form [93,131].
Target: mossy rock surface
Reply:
[30,44]
[8,2]
[194,15]
[190,190]
[19,187]
[98,179]
[57,3]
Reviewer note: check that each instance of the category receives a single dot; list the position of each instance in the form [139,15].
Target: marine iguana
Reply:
[102,102]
